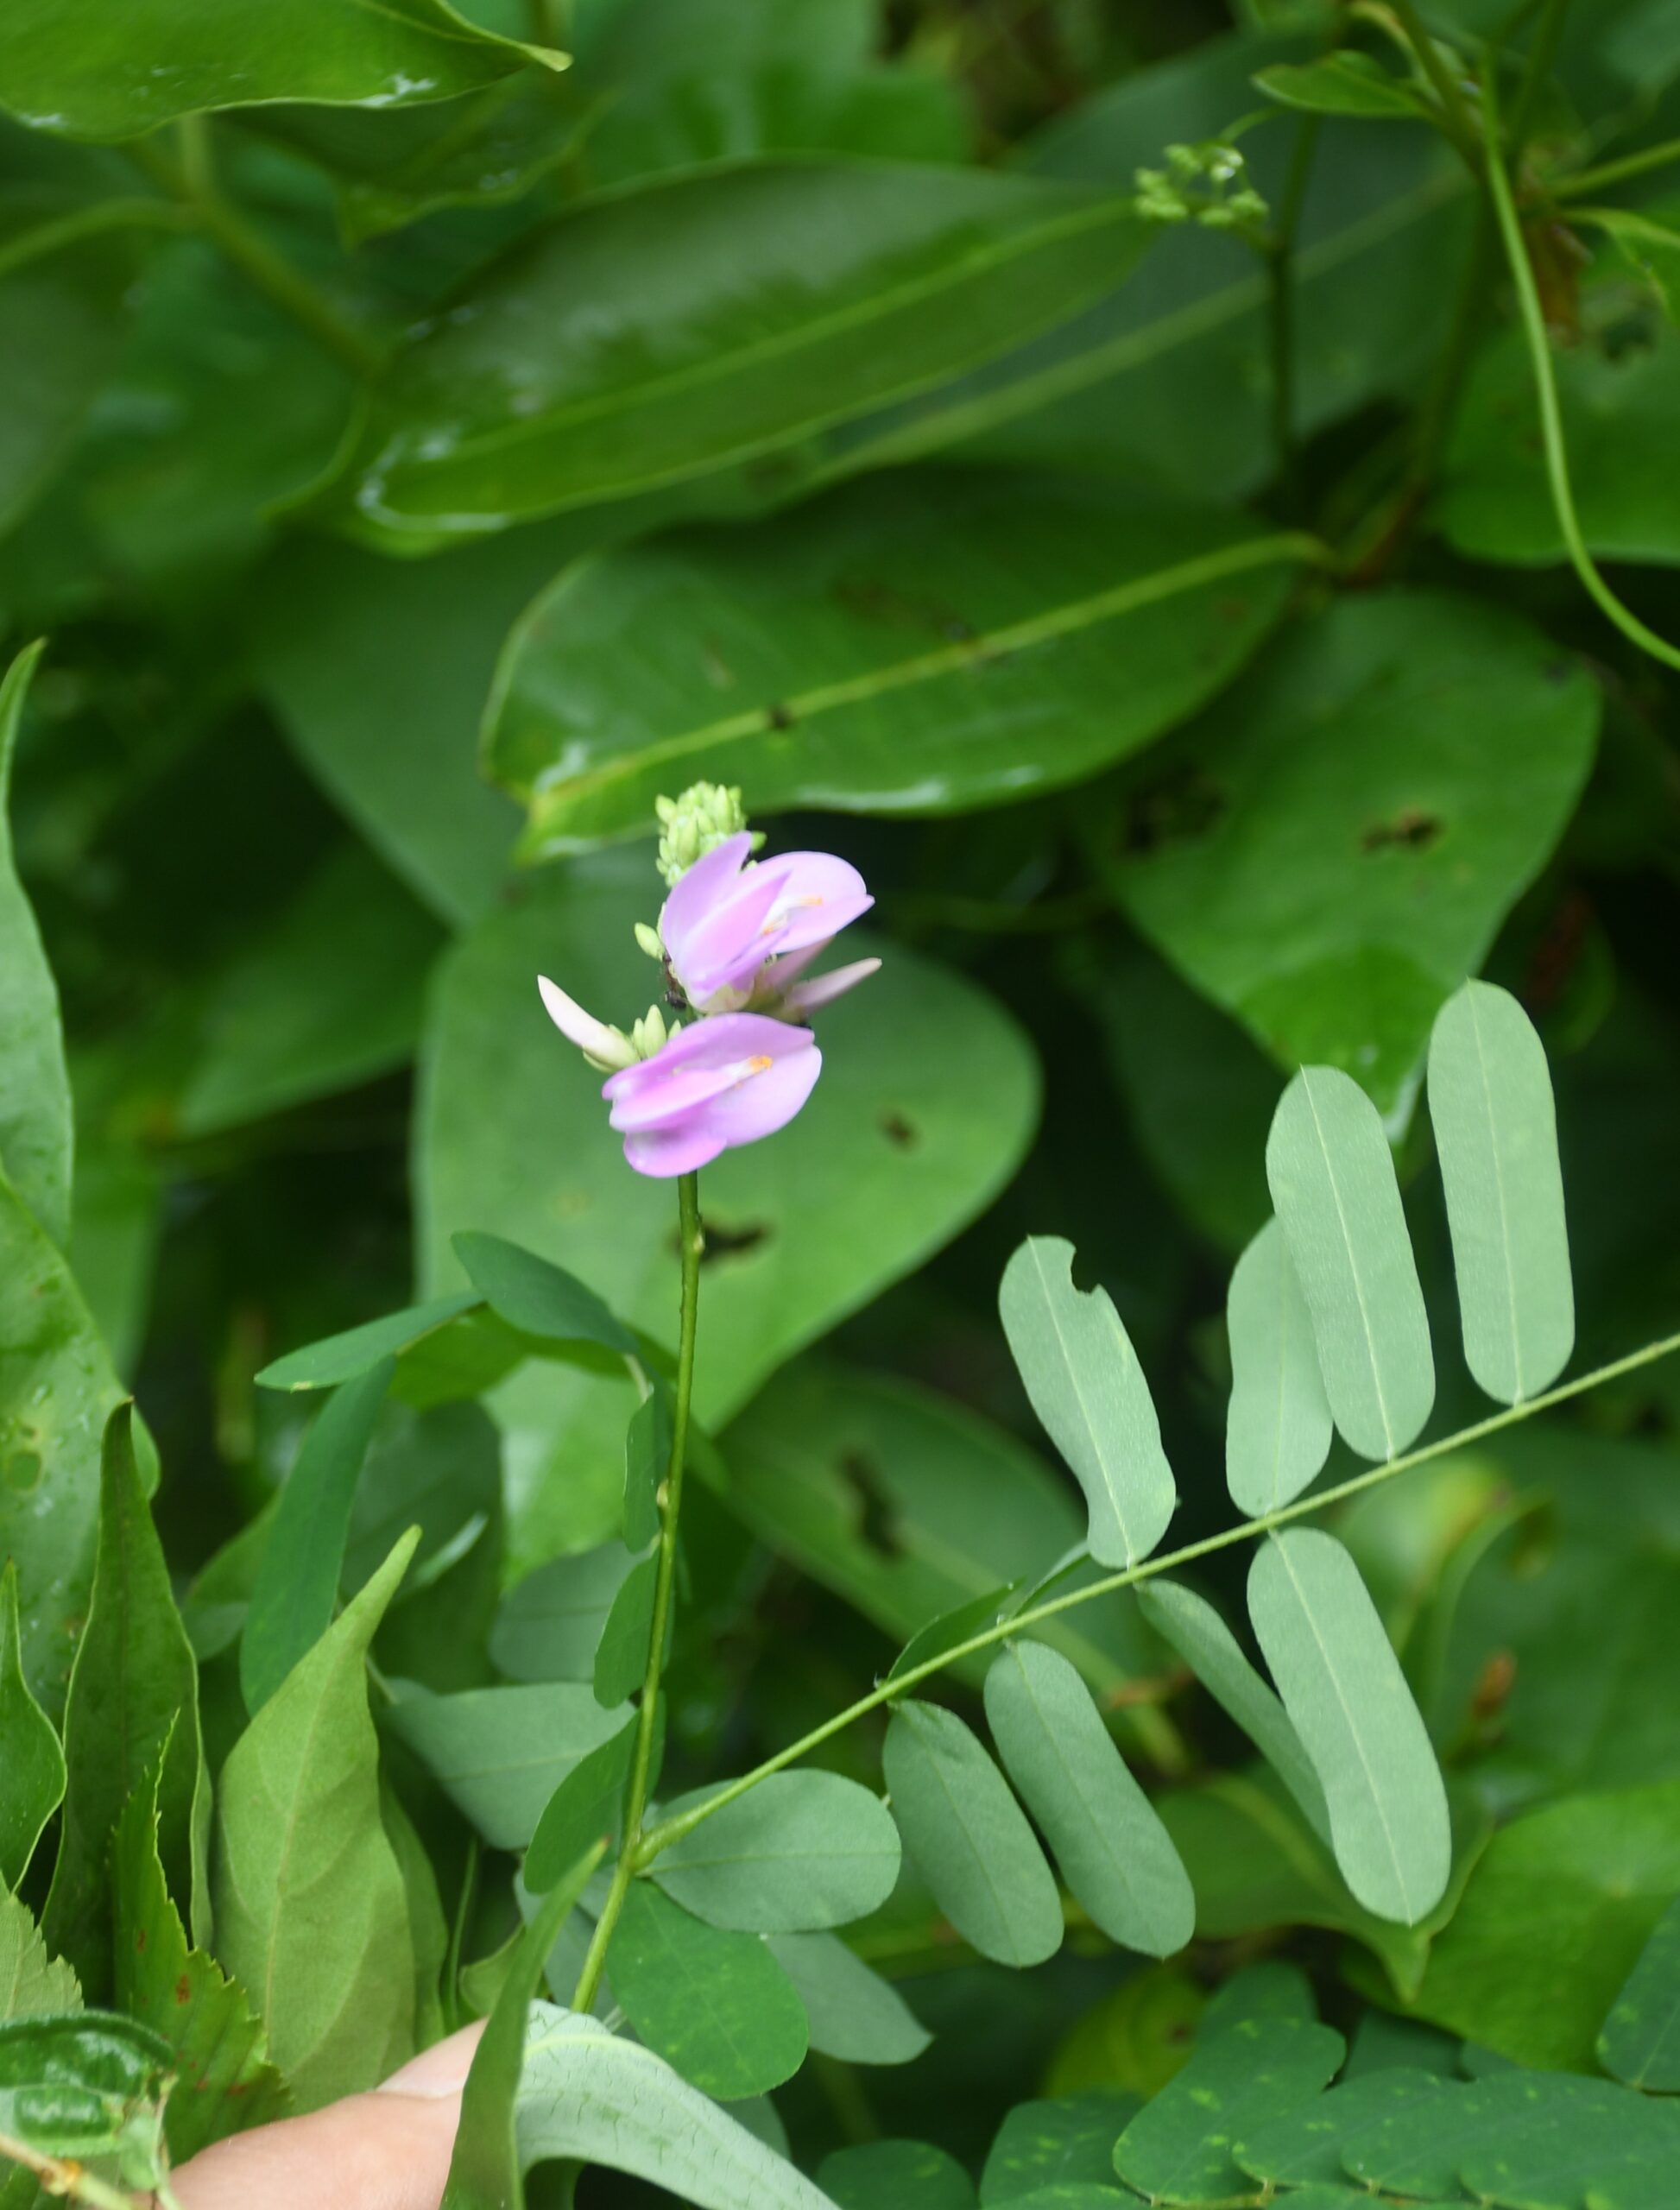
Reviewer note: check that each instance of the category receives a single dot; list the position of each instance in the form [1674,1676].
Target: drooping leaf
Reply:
[715,2004]
[1640,2040]
[223,2080]
[311,1914]
[1329,851]
[828,289]
[1089,1390]
[33,1984]
[967,1836]
[337,1359]
[499,1753]
[551,1623]
[800,1852]
[587,1806]
[30,1757]
[1277,1424]
[854,2013]
[647,1460]
[1182,2147]
[1490,1104]
[1111,1848]
[1332,1178]
[297,1580]
[895,2176]
[133,1701]
[95,76]
[1069,2142]
[878,653]
[37,1137]
[1343,1689]
[621,1656]
[537,1297]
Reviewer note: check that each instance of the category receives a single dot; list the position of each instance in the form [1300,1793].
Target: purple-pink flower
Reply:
[725,1081]
[730,916]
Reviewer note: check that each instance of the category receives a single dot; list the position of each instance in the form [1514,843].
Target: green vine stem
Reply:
[68,2178]
[660,1837]
[66,230]
[1545,388]
[1459,122]
[1618,172]
[692,1237]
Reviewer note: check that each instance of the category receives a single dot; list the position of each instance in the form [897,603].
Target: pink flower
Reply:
[728,916]
[721,1082]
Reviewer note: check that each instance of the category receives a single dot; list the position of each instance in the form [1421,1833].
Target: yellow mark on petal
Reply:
[758,1064]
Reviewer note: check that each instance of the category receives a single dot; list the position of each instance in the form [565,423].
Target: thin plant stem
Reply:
[1545,389]
[660,1837]
[693,1244]
[1454,107]
[70,2179]
[1608,172]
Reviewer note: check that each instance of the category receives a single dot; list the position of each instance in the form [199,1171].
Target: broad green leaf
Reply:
[967,1837]
[716,2005]
[1182,2147]
[499,1753]
[1349,83]
[1207,1645]
[1564,2141]
[646,1461]
[1088,1391]
[1490,1104]
[599,2098]
[1270,1989]
[800,1852]
[33,1984]
[927,1097]
[92,75]
[485,2167]
[1553,1922]
[895,2176]
[311,1914]
[1332,1178]
[748,305]
[1342,1687]
[133,1701]
[297,1580]
[1329,851]
[328,998]
[223,2080]
[855,2014]
[1133,2040]
[1111,1848]
[588,1804]
[36,1134]
[1303,2146]
[1277,1424]
[439,1471]
[1066,2143]
[357,1351]
[621,1656]
[88,2089]
[1640,2040]
[30,1757]
[536,1297]
[1426,2147]
[550,1624]
[879,653]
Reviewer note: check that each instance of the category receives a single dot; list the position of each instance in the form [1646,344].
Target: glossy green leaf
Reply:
[311,1913]
[36,1135]
[1332,1179]
[926,1098]
[621,1656]
[1088,1391]
[1110,1848]
[1278,1424]
[1065,2143]
[646,1461]
[1343,1689]
[896,2175]
[223,2080]
[30,1757]
[33,1984]
[1182,2147]
[1330,851]
[297,1581]
[133,1700]
[499,1753]
[1303,2146]
[485,2167]
[716,2005]
[967,1837]
[550,1625]
[855,2014]
[1490,1104]
[599,2098]
[881,652]
[89,2089]
[1640,2040]
[95,76]
[537,1297]
[828,289]
[1349,83]
[357,1351]
[586,1808]
[800,1852]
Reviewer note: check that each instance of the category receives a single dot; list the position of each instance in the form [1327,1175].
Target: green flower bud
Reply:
[648,939]
[705,815]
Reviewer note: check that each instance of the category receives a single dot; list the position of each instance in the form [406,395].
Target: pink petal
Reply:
[696,893]
[823,989]
[820,895]
[663,1153]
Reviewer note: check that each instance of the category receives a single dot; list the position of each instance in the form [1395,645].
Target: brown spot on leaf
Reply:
[183,1989]
[780,716]
[1412,830]
[878,1524]
[877,602]
[1180,806]
[1494,1685]
[897,1130]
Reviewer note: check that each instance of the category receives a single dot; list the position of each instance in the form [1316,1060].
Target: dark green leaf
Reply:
[895,2176]
[133,1700]
[855,2014]
[428,1930]
[32,1984]
[799,1852]
[87,2088]
[499,1753]
[311,1913]
[537,1297]
[1304,2144]
[647,1459]
[1274,1988]
[1277,1424]
[1490,1104]
[716,2005]
[621,1656]
[346,1357]
[1112,1850]
[297,1581]
[551,1623]
[30,1757]
[587,1806]
[1343,84]
[439,1471]
[1577,2132]
[1089,1390]
[1332,1177]
[1183,2146]
[969,1838]
[1640,2042]
[878,653]
[36,1136]
[1065,2143]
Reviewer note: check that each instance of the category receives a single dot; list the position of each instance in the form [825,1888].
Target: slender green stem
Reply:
[66,2177]
[693,1239]
[1618,172]
[1545,388]
[1454,107]
[660,1837]
[89,222]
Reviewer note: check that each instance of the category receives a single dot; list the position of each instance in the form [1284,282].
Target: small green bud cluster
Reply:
[1207,184]
[613,1049]
[705,815]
